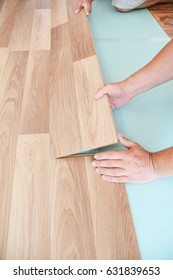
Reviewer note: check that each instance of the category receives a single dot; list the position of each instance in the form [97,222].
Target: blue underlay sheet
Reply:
[124,43]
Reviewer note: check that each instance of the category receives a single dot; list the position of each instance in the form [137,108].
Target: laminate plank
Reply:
[29,225]
[11,84]
[43,4]
[163,14]
[90,217]
[4,53]
[77,122]
[36,94]
[1,4]
[21,35]
[58,12]
[40,38]
[64,122]
[81,40]
[8,14]
[95,126]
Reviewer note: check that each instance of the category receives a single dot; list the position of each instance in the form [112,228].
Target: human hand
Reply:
[134,165]
[117,93]
[85,4]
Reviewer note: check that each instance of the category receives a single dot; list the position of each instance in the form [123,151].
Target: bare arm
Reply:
[158,71]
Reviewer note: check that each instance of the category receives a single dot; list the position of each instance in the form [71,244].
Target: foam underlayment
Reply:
[125,42]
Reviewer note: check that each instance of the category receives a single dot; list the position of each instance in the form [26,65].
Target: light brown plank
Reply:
[77,121]
[40,38]
[90,217]
[9,10]
[4,53]
[36,94]
[21,35]
[58,12]
[29,226]
[43,4]
[11,85]
[81,41]
[64,122]
[164,16]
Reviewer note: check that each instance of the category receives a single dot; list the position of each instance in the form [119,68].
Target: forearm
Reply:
[163,163]
[158,71]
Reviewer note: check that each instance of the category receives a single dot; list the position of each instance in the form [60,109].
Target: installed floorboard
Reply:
[36,94]
[11,84]
[40,38]
[90,217]
[9,10]
[21,35]
[29,225]
[164,16]
[58,12]
[43,4]
[62,209]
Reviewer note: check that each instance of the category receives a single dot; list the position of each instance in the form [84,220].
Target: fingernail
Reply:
[97,170]
[96,156]
[94,163]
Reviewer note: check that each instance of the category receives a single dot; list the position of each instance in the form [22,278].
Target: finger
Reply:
[111,171]
[121,179]
[108,163]
[126,142]
[101,92]
[87,8]
[78,7]
[110,155]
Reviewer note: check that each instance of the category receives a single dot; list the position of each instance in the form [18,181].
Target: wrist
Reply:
[163,163]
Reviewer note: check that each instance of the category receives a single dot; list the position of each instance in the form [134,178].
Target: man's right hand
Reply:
[117,93]
[85,4]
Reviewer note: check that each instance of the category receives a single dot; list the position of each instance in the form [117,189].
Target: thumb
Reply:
[86,7]
[126,142]
[101,92]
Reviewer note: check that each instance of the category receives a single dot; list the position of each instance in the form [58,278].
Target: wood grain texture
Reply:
[90,217]
[11,84]
[62,209]
[29,225]
[77,122]
[40,38]
[58,12]
[36,94]
[43,4]
[81,41]
[164,16]
[9,10]
[21,35]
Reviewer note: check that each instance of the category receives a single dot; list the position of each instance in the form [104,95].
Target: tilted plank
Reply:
[81,41]
[36,94]
[11,84]
[90,217]
[77,121]
[65,135]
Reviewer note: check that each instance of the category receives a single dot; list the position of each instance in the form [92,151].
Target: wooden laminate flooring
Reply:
[54,208]
[75,77]
[163,13]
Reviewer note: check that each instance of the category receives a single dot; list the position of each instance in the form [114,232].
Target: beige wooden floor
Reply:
[49,209]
